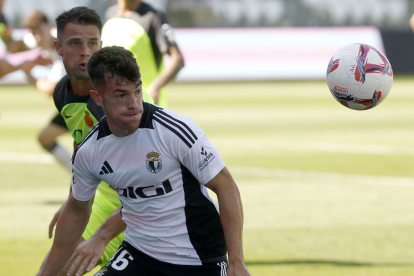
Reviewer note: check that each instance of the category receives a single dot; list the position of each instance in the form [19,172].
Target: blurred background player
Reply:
[12,46]
[146,32]
[44,35]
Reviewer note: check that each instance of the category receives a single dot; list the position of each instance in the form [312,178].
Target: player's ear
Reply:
[96,97]
[100,47]
[58,47]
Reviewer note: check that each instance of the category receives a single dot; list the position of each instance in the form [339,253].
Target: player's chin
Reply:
[132,120]
[81,75]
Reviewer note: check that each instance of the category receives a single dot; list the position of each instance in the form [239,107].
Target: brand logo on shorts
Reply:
[154,162]
[101,272]
[223,268]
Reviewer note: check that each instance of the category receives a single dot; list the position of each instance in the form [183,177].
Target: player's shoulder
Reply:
[59,92]
[172,126]
[86,148]
[147,9]
[111,12]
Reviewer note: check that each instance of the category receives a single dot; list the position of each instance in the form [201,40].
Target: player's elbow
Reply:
[45,87]
[79,209]
[177,58]
[181,65]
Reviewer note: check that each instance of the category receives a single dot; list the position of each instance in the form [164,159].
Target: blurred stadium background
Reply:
[326,190]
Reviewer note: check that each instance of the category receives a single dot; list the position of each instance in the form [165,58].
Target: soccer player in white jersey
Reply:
[161,164]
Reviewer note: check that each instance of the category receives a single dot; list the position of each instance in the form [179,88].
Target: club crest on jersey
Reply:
[154,162]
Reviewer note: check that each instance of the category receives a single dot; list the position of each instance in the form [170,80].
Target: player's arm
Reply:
[45,86]
[69,229]
[89,252]
[165,41]
[231,216]
[13,46]
[169,72]
[412,22]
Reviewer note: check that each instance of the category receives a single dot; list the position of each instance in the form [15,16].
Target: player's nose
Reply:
[85,51]
[132,102]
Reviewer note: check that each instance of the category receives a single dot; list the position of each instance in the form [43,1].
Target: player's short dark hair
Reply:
[113,62]
[78,15]
[34,20]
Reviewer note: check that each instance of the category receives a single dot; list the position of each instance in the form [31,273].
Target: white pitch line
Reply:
[26,157]
[321,176]
[316,146]
[248,171]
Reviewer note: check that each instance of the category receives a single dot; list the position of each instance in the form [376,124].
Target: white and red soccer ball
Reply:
[359,76]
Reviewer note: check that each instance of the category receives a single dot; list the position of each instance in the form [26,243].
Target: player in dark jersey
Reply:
[161,164]
[152,38]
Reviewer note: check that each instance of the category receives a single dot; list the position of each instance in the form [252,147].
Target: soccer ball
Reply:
[359,76]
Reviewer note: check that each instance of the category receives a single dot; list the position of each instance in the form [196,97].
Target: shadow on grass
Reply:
[327,262]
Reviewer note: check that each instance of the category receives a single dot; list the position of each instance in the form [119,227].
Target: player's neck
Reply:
[80,87]
[132,5]
[118,131]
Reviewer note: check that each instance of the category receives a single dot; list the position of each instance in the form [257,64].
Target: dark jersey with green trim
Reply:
[80,113]
[147,34]
[155,24]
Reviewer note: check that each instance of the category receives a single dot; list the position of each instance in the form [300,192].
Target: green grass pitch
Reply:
[326,190]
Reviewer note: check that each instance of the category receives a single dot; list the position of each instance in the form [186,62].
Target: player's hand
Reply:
[87,255]
[154,94]
[238,269]
[54,220]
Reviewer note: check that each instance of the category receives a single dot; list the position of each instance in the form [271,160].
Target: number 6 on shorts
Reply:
[121,261]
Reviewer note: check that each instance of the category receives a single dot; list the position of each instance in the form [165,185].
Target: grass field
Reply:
[326,190]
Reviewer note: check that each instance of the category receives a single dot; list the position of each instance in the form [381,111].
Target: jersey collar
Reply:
[145,121]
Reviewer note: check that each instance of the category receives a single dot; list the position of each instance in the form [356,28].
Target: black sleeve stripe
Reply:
[93,130]
[161,116]
[180,122]
[173,130]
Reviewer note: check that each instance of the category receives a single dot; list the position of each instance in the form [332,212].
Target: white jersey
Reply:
[159,172]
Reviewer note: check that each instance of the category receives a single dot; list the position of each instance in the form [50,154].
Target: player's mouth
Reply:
[82,66]
[131,115]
